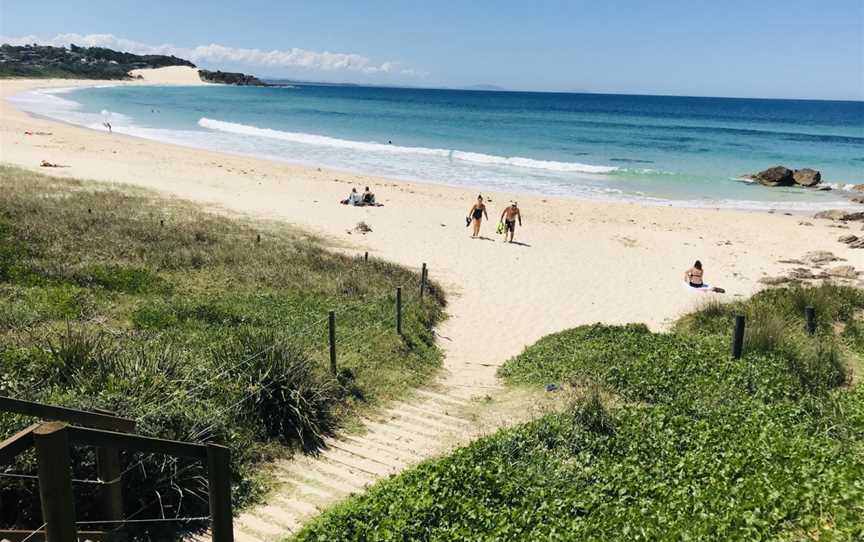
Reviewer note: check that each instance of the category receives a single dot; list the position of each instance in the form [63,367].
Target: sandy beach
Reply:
[575,262]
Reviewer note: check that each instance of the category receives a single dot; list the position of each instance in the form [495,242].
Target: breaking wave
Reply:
[452,154]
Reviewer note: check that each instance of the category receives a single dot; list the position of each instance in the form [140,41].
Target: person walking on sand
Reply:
[509,216]
[475,214]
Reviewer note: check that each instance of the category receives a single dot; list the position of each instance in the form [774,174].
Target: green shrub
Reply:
[589,412]
[819,365]
[700,446]
[766,330]
[133,280]
[287,393]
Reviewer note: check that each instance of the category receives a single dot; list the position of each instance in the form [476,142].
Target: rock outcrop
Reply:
[775,176]
[843,272]
[819,257]
[231,78]
[852,240]
[783,176]
[807,177]
[840,214]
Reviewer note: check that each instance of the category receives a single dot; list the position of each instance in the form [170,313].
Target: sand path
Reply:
[581,262]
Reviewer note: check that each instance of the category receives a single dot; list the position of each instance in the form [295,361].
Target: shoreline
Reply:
[793,204]
[578,262]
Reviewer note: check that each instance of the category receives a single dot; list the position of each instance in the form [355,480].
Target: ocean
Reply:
[652,149]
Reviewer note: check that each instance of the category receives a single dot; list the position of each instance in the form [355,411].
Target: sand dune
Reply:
[169,75]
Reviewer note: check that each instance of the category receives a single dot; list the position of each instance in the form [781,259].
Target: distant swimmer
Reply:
[389,142]
[475,215]
[509,216]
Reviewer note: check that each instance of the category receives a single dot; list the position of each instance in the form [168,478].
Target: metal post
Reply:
[55,481]
[333,342]
[111,494]
[399,311]
[738,338]
[422,280]
[219,483]
[810,314]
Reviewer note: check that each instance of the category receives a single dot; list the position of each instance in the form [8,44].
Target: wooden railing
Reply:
[63,428]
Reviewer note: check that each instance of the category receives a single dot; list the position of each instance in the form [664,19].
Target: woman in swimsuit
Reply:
[476,214]
[693,276]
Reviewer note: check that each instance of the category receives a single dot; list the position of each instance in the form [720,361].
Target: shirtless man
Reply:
[509,217]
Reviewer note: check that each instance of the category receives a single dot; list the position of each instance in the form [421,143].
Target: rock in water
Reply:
[807,177]
[775,176]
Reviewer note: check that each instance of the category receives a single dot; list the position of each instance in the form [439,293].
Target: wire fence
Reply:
[371,333]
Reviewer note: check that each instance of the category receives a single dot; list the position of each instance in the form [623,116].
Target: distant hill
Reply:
[231,78]
[77,62]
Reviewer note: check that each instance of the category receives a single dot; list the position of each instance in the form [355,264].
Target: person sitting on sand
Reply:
[368,197]
[46,163]
[694,275]
[475,214]
[509,216]
[353,198]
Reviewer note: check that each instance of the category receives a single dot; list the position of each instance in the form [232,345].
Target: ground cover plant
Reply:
[184,321]
[669,438]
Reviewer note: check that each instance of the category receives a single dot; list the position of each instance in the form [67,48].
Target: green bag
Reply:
[500,228]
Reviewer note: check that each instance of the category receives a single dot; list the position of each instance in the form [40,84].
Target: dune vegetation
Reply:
[201,327]
[667,437]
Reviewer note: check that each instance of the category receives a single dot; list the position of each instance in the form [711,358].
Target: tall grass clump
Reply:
[183,321]
[286,392]
[768,331]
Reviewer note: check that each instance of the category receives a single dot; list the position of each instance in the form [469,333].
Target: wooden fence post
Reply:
[366,257]
[219,484]
[332,329]
[810,314]
[55,481]
[399,311]
[111,494]
[422,280]
[738,337]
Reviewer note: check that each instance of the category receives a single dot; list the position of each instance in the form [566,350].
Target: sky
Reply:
[752,48]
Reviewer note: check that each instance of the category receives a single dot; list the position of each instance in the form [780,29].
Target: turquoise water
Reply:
[685,151]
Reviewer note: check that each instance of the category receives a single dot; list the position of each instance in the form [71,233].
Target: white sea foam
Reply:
[372,146]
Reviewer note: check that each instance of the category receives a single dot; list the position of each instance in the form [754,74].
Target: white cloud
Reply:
[215,53]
